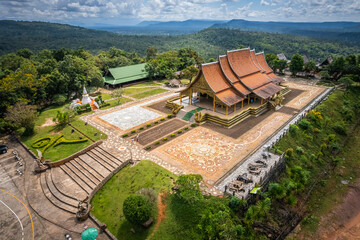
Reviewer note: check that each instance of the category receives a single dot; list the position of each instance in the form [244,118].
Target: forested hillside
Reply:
[209,42]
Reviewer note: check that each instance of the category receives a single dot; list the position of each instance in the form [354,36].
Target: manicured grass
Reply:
[153,83]
[115,102]
[108,201]
[149,93]
[63,150]
[88,130]
[130,90]
[106,96]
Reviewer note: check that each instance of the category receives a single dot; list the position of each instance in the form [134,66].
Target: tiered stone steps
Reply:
[65,185]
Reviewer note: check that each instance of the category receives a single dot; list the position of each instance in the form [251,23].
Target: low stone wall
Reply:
[75,155]
[97,188]
[100,224]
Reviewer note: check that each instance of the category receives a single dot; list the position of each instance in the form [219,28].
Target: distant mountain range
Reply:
[209,42]
[162,28]
[348,31]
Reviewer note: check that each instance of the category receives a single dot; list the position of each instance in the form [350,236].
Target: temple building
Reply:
[239,80]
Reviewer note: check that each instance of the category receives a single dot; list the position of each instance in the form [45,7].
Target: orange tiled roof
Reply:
[238,74]
[262,61]
[220,85]
[230,75]
[241,63]
[267,90]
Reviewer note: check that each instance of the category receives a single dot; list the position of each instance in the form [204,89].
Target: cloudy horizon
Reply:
[130,12]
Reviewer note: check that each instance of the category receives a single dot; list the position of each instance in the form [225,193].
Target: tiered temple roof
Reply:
[260,58]
[235,76]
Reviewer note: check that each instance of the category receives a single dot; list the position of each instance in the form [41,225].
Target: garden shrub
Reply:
[169,116]
[234,203]
[136,209]
[156,122]
[165,139]
[186,128]
[193,124]
[63,140]
[133,131]
[299,150]
[157,143]
[304,124]
[331,137]
[293,129]
[148,148]
[162,119]
[312,157]
[150,194]
[291,200]
[316,130]
[141,128]
[59,99]
[340,128]
[148,125]
[180,131]
[125,135]
[289,152]
[172,135]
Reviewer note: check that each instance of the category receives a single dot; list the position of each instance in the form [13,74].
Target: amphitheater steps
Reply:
[89,168]
[83,173]
[55,201]
[101,160]
[86,159]
[76,178]
[65,185]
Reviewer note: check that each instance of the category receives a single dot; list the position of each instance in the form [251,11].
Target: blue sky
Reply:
[128,12]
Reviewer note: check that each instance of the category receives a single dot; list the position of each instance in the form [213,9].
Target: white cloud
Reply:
[263,2]
[167,10]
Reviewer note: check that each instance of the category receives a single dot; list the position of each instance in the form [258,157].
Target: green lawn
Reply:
[63,150]
[149,93]
[115,102]
[108,201]
[106,96]
[153,83]
[130,90]
[88,130]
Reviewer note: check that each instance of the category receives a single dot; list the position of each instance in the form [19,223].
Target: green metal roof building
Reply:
[126,74]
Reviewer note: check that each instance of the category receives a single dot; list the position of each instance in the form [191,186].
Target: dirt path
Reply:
[344,221]
[161,208]
[48,122]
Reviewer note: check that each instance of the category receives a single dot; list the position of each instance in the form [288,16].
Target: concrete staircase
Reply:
[65,185]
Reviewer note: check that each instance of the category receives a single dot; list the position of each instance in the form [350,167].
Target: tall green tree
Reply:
[151,53]
[296,64]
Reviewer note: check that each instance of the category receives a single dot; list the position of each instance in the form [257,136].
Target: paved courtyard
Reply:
[213,154]
[133,116]
[203,150]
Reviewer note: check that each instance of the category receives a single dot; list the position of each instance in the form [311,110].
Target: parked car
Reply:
[3,149]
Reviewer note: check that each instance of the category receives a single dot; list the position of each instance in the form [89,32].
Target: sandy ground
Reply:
[48,122]
[343,223]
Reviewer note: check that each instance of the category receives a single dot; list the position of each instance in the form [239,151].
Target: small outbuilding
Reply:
[125,75]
